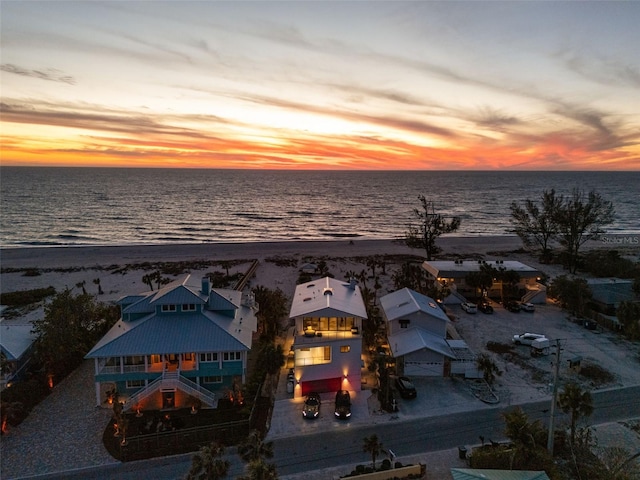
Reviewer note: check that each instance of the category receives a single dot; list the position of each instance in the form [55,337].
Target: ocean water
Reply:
[102,206]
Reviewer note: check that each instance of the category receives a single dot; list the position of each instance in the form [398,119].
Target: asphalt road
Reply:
[418,435]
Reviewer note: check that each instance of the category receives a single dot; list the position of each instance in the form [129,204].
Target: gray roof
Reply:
[415,339]
[404,302]
[491,474]
[459,269]
[327,297]
[611,291]
[15,339]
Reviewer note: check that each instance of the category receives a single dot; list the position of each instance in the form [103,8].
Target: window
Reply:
[404,323]
[331,324]
[209,357]
[188,357]
[345,348]
[135,383]
[188,307]
[168,308]
[212,379]
[134,360]
[230,356]
[313,356]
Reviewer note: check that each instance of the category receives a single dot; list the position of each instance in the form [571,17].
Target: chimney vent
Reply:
[206,286]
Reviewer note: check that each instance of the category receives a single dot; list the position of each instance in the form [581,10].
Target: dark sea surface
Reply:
[103,206]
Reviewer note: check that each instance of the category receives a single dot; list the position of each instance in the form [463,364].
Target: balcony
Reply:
[309,337]
[156,367]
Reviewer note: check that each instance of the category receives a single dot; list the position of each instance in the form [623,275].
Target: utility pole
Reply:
[553,399]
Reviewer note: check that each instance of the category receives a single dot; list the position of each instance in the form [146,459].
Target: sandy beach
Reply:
[86,256]
[120,268]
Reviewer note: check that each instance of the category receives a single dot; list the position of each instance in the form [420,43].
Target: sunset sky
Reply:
[322,85]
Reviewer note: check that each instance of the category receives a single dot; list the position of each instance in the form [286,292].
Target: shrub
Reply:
[25,297]
[596,374]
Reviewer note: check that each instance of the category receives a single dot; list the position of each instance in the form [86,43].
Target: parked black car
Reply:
[405,388]
[484,307]
[512,306]
[311,407]
[343,404]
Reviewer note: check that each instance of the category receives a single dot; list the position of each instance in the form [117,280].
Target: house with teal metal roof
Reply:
[186,340]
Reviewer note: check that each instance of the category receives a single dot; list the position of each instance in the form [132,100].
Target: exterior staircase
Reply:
[172,380]
[538,294]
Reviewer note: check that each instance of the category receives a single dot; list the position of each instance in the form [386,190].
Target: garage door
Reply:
[325,385]
[420,369]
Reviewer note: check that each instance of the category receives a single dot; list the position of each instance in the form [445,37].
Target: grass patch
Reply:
[282,261]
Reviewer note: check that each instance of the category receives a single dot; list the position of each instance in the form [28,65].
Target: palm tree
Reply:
[81,285]
[528,439]
[148,280]
[373,446]
[254,448]
[488,368]
[260,470]
[207,464]
[573,399]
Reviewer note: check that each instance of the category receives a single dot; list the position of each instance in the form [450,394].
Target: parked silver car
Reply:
[469,307]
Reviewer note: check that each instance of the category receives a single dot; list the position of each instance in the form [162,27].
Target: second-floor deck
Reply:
[309,337]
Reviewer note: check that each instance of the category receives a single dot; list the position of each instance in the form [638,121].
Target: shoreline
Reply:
[87,256]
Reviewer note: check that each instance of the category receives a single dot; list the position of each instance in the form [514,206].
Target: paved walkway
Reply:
[63,432]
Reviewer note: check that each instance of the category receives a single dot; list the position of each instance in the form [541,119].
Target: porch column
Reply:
[98,399]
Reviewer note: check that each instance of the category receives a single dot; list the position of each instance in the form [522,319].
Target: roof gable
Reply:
[220,299]
[176,295]
[405,302]
[15,339]
[415,339]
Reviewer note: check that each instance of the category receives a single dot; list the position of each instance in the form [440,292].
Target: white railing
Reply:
[134,368]
[172,380]
[142,394]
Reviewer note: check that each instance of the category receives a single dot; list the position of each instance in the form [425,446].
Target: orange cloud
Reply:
[64,136]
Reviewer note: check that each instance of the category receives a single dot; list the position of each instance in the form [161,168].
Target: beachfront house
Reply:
[417,334]
[452,274]
[327,345]
[183,342]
